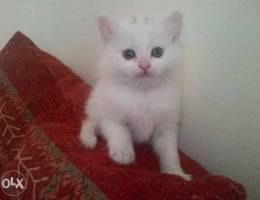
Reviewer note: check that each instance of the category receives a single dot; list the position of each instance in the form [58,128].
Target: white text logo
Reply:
[13,183]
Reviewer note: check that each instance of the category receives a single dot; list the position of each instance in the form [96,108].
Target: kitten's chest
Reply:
[141,121]
[142,113]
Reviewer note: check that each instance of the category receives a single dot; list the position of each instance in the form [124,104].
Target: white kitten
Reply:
[136,98]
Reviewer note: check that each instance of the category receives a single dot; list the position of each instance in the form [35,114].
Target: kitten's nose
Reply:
[144,64]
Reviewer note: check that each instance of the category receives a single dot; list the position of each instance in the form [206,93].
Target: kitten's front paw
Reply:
[187,177]
[122,155]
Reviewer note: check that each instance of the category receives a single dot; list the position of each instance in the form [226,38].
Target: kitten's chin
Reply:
[139,80]
[147,81]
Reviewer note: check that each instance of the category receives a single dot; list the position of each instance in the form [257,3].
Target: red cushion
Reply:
[45,100]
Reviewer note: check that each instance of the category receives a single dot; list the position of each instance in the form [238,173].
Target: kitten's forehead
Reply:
[140,19]
[142,31]
[142,25]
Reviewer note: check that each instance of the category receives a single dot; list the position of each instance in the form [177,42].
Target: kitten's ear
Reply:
[173,24]
[106,26]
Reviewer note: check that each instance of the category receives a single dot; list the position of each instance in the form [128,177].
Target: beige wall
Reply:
[221,39]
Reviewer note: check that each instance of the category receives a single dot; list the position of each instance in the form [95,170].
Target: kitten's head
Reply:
[140,52]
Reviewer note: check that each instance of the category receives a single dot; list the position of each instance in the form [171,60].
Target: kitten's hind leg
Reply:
[87,134]
[165,145]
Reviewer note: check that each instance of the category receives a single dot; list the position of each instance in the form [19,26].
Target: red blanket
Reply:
[41,103]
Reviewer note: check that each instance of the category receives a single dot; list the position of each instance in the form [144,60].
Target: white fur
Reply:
[127,108]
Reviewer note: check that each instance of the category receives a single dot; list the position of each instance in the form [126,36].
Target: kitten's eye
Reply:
[128,54]
[157,52]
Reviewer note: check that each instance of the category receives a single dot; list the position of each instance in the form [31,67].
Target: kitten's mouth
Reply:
[145,74]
